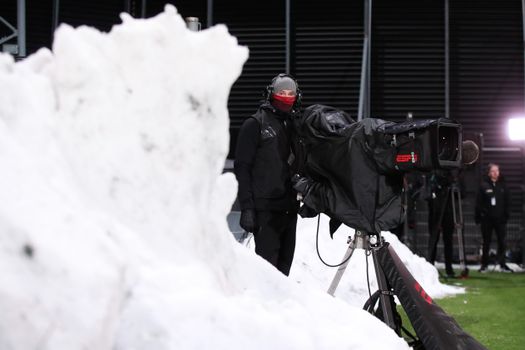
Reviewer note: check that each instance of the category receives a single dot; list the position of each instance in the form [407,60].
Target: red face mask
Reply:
[284,103]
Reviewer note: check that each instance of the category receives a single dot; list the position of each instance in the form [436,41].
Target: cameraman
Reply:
[263,169]
[440,214]
[492,212]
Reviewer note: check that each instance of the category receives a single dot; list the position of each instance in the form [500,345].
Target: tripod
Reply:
[371,243]
[433,327]
[458,226]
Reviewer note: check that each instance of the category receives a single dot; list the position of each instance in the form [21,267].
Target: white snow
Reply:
[112,215]
[353,287]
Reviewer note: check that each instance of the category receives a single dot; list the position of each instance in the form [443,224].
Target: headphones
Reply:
[298,94]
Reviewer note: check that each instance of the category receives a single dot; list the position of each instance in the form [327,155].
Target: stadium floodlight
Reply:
[516,128]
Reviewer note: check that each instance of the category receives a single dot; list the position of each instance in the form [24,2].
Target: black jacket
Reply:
[262,161]
[492,201]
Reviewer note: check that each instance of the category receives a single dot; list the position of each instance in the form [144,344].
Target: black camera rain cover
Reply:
[345,158]
[358,167]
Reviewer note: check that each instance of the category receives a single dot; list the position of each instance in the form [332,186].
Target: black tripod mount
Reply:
[371,243]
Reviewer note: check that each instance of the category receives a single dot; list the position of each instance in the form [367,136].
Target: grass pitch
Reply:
[492,310]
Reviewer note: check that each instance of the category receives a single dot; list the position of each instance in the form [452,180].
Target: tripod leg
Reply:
[386,293]
[342,268]
[458,228]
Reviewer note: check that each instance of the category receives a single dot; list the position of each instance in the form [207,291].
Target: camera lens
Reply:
[447,143]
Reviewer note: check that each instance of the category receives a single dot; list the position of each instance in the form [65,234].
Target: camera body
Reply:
[355,169]
[423,145]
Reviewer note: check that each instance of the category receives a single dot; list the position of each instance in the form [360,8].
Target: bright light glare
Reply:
[517,128]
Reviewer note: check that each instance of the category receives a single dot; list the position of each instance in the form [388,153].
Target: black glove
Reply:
[249,220]
[307,212]
[302,184]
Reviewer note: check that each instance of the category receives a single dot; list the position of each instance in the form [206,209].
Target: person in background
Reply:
[492,212]
[441,216]
[438,191]
[412,191]
[263,162]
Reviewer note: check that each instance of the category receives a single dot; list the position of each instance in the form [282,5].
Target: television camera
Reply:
[353,172]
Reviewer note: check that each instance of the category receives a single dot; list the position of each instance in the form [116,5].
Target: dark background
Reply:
[486,56]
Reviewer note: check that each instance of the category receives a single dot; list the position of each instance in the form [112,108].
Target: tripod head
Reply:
[366,241]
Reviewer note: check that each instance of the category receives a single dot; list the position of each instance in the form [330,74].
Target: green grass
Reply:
[492,310]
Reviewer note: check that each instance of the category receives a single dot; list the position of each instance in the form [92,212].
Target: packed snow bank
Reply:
[353,287]
[112,220]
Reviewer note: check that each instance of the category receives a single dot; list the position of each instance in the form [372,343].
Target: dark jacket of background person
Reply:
[484,209]
[493,217]
[262,161]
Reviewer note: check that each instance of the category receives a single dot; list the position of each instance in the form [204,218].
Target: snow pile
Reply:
[353,287]
[112,220]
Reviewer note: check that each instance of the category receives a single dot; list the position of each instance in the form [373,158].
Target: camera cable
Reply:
[367,254]
[317,247]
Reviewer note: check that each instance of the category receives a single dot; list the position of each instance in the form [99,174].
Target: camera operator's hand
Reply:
[302,184]
[248,220]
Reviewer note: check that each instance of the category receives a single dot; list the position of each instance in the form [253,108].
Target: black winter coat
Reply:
[262,161]
[492,201]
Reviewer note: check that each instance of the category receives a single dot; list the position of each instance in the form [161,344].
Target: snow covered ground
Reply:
[112,213]
[353,288]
